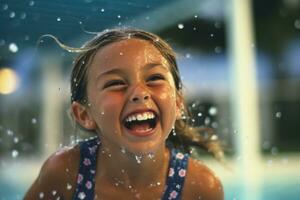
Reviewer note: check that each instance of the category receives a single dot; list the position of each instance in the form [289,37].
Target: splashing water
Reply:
[213,111]
[41,195]
[13,47]
[123,150]
[14,153]
[278,115]
[180,26]
[138,159]
[33,120]
[69,186]
[151,155]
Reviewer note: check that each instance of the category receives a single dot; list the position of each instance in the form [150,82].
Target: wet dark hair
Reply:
[184,135]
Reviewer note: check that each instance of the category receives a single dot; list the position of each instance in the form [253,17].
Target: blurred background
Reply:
[239,61]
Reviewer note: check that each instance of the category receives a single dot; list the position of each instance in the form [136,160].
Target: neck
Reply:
[123,168]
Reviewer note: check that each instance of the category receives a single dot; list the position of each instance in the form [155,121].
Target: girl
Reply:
[126,87]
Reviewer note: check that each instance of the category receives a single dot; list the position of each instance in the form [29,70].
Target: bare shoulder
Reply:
[201,183]
[57,177]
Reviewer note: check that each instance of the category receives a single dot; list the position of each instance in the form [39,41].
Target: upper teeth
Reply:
[140,116]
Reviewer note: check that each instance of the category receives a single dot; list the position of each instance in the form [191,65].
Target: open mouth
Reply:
[141,122]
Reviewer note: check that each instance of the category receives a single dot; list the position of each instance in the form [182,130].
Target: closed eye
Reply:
[114,83]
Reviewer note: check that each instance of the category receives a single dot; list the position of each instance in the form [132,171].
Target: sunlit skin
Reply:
[124,77]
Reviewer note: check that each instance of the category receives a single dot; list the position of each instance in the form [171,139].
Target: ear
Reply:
[179,106]
[83,116]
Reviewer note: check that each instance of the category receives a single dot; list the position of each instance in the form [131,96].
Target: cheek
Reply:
[107,108]
[167,93]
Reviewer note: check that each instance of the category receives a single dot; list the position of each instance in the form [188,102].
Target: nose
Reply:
[139,94]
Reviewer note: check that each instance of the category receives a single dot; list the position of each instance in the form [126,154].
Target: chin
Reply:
[145,148]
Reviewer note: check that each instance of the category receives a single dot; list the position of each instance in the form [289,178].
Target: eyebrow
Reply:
[121,72]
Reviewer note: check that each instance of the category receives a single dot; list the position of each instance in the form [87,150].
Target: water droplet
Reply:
[211,35]
[180,26]
[9,132]
[214,137]
[119,16]
[31,3]
[69,186]
[41,195]
[14,153]
[12,14]
[206,120]
[33,120]
[214,124]
[13,47]
[58,19]
[16,140]
[278,115]
[23,15]
[297,24]
[102,10]
[5,7]
[138,159]
[217,25]
[151,155]
[81,195]
[123,150]
[213,111]
[195,16]
[218,49]
[199,114]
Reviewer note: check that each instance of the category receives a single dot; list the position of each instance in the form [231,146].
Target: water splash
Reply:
[69,186]
[41,195]
[14,153]
[123,150]
[138,159]
[33,121]
[278,115]
[13,48]
[213,111]
[180,26]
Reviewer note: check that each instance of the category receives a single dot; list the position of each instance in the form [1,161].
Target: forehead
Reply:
[128,52]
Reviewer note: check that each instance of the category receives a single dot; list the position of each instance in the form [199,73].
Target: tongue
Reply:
[144,126]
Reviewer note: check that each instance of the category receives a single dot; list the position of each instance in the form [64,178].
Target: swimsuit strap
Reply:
[87,169]
[176,176]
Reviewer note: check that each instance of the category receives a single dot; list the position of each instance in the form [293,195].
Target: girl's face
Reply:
[132,97]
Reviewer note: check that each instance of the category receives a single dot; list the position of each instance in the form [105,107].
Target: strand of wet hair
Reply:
[62,45]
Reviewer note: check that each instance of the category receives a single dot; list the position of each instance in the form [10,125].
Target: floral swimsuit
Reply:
[87,170]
